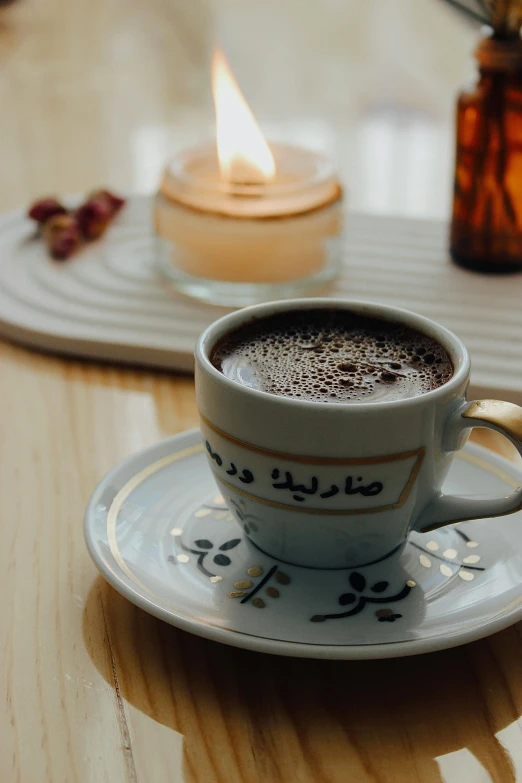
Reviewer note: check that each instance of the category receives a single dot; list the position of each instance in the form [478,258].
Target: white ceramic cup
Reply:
[278,461]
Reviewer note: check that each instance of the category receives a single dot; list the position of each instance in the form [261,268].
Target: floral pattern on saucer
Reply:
[159,533]
[261,586]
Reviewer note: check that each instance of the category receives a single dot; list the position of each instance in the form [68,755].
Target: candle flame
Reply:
[244,155]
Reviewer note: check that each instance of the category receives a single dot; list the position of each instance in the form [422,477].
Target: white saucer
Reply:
[160,534]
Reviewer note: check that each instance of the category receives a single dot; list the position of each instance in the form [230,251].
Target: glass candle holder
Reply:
[244,242]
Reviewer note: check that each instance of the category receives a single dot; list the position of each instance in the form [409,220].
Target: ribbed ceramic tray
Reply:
[108,303]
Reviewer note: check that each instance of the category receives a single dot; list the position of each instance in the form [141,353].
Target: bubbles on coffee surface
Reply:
[332,356]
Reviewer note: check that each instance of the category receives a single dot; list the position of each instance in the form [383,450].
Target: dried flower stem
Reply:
[469,12]
[504,16]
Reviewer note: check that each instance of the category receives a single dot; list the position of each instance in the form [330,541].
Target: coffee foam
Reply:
[332,356]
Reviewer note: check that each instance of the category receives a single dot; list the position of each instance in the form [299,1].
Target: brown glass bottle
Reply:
[486,227]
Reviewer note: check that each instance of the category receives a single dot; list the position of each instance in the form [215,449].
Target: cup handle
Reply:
[504,417]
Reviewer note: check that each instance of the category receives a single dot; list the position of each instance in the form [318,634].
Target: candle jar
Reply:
[486,228]
[245,242]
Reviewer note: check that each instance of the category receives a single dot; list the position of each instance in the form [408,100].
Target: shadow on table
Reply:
[252,717]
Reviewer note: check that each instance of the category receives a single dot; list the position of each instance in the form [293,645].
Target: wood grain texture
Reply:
[97,690]
[92,689]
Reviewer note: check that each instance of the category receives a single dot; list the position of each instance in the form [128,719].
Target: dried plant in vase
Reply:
[486,227]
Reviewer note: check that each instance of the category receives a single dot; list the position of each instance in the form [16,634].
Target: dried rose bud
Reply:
[59,223]
[62,236]
[117,201]
[45,208]
[114,202]
[65,245]
[94,217]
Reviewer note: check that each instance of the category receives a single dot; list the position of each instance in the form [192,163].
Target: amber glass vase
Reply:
[486,227]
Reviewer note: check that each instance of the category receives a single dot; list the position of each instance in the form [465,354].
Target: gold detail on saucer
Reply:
[282,578]
[471,559]
[182,558]
[425,561]
[176,531]
[202,512]
[472,544]
[273,592]
[451,554]
[487,466]
[121,497]
[237,593]
[445,570]
[221,515]
[218,500]
[255,571]
[411,583]
[432,546]
[384,612]
[243,584]
[216,579]
[259,603]
[467,576]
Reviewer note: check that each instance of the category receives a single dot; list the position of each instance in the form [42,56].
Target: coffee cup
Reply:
[340,484]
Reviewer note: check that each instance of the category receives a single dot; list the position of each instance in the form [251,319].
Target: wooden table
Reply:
[92,688]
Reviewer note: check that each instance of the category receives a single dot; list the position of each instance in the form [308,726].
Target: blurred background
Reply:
[101,92]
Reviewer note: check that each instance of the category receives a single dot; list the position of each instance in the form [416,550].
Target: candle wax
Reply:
[271,250]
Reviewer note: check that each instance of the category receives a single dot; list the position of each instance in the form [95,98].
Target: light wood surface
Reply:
[93,689]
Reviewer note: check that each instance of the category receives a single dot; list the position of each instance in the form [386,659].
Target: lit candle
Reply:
[243,221]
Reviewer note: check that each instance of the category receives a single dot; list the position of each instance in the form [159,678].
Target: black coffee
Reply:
[332,356]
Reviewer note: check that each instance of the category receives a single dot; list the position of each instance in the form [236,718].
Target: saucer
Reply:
[161,535]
